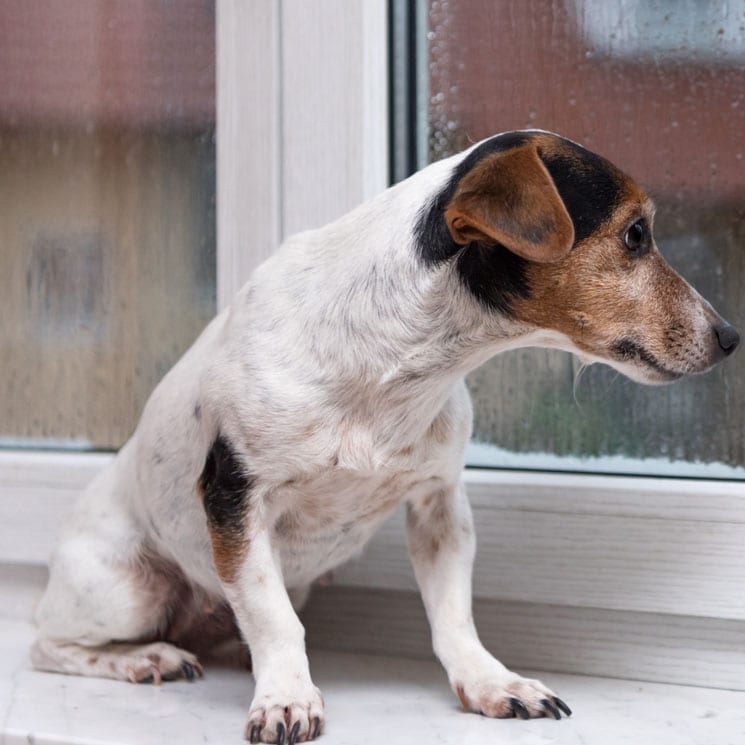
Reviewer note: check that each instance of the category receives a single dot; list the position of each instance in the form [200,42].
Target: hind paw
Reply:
[160,662]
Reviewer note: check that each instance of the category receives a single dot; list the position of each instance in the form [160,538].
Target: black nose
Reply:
[727,337]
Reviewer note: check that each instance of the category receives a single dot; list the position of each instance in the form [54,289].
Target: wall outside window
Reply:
[107,180]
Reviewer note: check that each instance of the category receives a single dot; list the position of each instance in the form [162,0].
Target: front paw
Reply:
[508,695]
[286,717]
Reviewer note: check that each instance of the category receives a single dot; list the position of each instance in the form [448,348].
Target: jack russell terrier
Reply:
[331,392]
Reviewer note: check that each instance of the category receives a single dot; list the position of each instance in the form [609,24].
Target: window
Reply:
[301,137]
[107,180]
[659,89]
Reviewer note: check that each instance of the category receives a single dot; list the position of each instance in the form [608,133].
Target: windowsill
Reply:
[368,699]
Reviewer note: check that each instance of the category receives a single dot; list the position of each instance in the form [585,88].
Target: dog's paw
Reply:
[286,719]
[508,696]
[157,662]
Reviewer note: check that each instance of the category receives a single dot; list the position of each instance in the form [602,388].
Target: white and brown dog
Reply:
[330,392]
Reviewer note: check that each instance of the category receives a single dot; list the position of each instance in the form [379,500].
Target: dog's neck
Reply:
[406,319]
[367,320]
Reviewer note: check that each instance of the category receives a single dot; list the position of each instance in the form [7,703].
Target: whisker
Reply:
[575,383]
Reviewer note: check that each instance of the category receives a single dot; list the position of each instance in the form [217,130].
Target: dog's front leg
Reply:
[286,706]
[442,546]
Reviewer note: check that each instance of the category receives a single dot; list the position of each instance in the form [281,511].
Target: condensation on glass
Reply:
[107,227]
[658,87]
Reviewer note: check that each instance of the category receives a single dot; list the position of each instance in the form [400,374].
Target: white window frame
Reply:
[302,136]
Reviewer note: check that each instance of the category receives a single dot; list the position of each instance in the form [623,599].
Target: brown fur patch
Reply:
[286,523]
[499,708]
[431,524]
[228,550]
[381,507]
[311,430]
[510,198]
[464,702]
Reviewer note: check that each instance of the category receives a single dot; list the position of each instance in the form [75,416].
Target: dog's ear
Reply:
[510,198]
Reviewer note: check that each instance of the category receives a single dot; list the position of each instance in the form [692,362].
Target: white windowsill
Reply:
[369,700]
[599,575]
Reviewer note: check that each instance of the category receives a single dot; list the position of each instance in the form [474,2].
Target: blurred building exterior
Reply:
[107,232]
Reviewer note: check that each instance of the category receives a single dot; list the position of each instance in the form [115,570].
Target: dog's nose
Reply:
[727,337]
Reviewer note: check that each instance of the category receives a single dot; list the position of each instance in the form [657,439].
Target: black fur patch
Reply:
[492,273]
[629,350]
[589,185]
[226,487]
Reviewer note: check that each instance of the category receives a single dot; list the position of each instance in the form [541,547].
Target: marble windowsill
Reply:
[369,700]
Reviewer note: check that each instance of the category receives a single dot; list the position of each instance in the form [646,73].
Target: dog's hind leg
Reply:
[138,663]
[93,605]
[107,599]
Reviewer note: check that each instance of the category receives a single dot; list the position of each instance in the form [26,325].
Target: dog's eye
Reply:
[635,238]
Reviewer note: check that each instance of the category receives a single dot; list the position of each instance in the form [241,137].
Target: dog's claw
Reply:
[280,734]
[255,731]
[188,670]
[316,728]
[519,709]
[293,734]
[562,706]
[550,707]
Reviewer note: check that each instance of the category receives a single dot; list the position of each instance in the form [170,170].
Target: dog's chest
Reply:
[325,520]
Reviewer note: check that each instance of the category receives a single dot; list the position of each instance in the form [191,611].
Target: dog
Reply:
[331,392]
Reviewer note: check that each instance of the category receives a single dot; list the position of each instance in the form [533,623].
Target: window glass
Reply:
[107,227]
[658,87]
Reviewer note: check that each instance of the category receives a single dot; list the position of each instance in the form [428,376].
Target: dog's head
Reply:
[553,236]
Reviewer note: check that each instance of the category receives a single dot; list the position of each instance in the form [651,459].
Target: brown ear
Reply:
[510,198]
